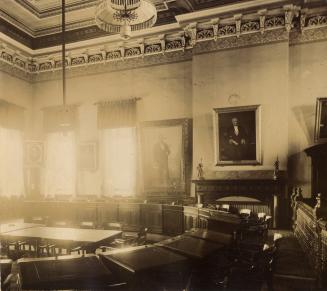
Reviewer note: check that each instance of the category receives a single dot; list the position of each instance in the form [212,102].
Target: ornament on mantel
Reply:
[200,170]
[276,169]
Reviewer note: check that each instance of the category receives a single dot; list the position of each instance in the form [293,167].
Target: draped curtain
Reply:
[117,122]
[11,150]
[117,114]
[60,124]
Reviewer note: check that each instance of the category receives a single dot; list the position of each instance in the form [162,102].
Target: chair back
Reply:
[141,236]
[245,213]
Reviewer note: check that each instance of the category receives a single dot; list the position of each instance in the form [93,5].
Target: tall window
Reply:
[119,149]
[60,167]
[117,122]
[60,163]
[11,162]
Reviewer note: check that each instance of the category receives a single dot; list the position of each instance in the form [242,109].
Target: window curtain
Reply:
[11,150]
[117,122]
[60,124]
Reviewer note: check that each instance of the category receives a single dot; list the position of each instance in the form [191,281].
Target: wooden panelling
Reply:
[204,216]
[86,211]
[191,217]
[151,217]
[107,212]
[173,219]
[130,216]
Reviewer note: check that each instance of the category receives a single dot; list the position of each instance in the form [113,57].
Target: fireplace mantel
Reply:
[267,191]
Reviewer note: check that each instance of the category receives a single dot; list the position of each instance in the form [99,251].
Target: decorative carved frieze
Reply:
[7,57]
[227,30]
[264,26]
[78,61]
[206,33]
[132,52]
[274,22]
[153,48]
[95,58]
[112,55]
[174,44]
[45,66]
[250,26]
[318,20]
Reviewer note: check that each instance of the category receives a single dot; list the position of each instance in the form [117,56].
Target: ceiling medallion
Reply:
[125,16]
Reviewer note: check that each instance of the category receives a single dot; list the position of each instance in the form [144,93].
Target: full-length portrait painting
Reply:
[321,120]
[165,155]
[237,135]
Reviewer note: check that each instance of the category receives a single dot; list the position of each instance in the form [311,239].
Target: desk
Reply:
[191,247]
[148,266]
[210,236]
[66,272]
[88,238]
[8,227]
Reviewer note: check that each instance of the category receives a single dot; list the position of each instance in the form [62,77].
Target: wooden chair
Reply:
[245,213]
[127,240]
[5,267]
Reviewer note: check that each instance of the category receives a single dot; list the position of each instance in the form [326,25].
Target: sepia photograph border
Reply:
[317,137]
[238,109]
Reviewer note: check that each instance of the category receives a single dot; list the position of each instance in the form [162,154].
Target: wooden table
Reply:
[66,272]
[87,238]
[191,247]
[147,266]
[211,236]
[8,227]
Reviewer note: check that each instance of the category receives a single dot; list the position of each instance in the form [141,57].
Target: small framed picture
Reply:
[34,153]
[87,156]
[237,135]
[321,120]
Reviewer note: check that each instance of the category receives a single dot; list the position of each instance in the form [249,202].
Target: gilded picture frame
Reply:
[166,150]
[237,135]
[321,120]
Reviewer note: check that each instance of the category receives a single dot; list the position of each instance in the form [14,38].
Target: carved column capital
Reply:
[190,32]
[262,17]
[238,19]
[290,11]
[303,17]
[215,26]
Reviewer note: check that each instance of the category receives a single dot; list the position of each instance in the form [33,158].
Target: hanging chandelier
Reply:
[65,121]
[125,16]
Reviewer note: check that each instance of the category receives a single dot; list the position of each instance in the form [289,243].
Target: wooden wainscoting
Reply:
[173,219]
[151,217]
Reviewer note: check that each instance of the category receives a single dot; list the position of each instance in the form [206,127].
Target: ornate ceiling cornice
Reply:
[174,43]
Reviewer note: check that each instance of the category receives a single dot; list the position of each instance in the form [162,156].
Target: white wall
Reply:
[259,75]
[166,93]
[18,92]
[285,80]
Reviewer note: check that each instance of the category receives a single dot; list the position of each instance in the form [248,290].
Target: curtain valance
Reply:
[117,113]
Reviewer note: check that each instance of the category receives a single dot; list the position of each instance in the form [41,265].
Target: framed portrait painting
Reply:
[321,120]
[237,135]
[166,147]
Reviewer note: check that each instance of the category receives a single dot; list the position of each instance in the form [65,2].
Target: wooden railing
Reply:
[159,218]
[310,228]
